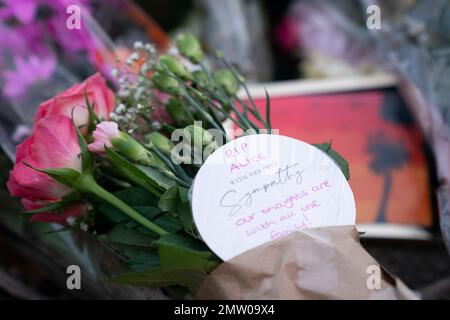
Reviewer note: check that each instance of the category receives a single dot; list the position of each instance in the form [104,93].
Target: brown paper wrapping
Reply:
[322,263]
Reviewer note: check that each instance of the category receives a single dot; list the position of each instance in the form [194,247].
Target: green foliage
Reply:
[148,179]
[137,198]
[175,200]
[66,176]
[183,261]
[333,154]
[179,112]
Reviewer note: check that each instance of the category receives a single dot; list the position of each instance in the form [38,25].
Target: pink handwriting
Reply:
[321,186]
[263,226]
[288,215]
[235,151]
[279,234]
[288,203]
[247,161]
[244,220]
[310,206]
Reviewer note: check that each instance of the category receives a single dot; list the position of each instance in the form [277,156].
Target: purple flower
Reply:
[27,72]
[22,10]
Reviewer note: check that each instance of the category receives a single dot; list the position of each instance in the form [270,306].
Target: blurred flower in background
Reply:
[34,32]
[40,56]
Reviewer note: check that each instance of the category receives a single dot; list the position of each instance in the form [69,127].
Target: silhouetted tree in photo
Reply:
[387,156]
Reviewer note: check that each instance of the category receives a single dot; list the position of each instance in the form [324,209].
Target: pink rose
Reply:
[103,133]
[99,95]
[71,212]
[53,144]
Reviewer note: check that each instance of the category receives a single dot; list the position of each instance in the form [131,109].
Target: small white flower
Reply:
[121,108]
[149,48]
[138,45]
[138,93]
[134,56]
[115,72]
[84,227]
[156,125]
[123,93]
[144,68]
[123,81]
[71,221]
[113,116]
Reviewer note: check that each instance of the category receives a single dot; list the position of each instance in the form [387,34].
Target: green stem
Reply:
[88,184]
[244,85]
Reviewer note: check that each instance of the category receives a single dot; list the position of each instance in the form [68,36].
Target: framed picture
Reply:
[370,125]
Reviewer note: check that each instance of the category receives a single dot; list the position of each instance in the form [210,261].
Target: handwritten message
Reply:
[262,187]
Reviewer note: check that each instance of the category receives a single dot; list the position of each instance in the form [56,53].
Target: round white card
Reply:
[262,187]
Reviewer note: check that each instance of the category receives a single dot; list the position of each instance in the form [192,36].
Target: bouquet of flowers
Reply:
[107,163]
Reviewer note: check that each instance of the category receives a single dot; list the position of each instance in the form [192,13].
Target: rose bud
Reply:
[197,134]
[107,134]
[178,111]
[160,141]
[174,65]
[189,47]
[166,83]
[201,78]
[227,81]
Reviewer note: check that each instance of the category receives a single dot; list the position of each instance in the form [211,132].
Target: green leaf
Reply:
[333,154]
[66,176]
[268,122]
[175,200]
[157,176]
[93,118]
[137,198]
[154,277]
[168,201]
[137,258]
[141,260]
[134,173]
[168,223]
[184,261]
[86,159]
[121,234]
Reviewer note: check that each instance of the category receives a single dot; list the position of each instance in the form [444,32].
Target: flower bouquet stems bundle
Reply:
[102,162]
[107,164]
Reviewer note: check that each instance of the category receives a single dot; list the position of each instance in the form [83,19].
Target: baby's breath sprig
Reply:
[134,99]
[181,84]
